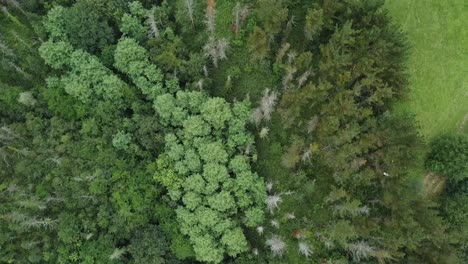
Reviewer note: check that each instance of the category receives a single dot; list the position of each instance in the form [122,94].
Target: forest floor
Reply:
[437,32]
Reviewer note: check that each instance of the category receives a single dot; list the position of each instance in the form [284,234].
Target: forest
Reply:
[220,131]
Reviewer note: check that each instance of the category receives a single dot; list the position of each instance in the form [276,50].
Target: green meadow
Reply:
[437,33]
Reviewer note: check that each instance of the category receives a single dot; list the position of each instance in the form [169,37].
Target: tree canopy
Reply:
[204,170]
[218,132]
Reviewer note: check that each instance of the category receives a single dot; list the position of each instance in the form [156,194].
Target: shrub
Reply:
[449,156]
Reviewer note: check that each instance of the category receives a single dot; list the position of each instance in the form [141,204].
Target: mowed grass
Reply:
[437,32]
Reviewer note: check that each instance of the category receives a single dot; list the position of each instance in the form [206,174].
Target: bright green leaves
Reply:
[200,168]
[129,51]
[167,109]
[213,152]
[222,201]
[195,183]
[192,160]
[191,200]
[133,60]
[207,217]
[174,150]
[121,140]
[166,175]
[191,101]
[214,174]
[136,9]
[55,23]
[56,54]
[195,126]
[186,220]
[239,164]
[205,246]
[86,78]
[235,241]
[216,112]
[212,113]
[253,216]
[131,24]
[92,77]
[132,27]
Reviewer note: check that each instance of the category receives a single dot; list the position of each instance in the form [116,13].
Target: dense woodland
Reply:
[185,131]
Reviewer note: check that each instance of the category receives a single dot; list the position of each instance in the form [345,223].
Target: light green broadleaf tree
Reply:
[206,175]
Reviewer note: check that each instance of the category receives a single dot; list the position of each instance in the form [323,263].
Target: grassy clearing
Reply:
[438,63]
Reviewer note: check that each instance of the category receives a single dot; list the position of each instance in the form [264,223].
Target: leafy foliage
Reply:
[150,246]
[81,25]
[449,157]
[133,60]
[87,79]
[127,136]
[205,173]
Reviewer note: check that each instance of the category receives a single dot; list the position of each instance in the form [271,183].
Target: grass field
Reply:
[438,62]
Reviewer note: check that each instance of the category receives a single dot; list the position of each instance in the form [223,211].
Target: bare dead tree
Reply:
[211,50]
[361,250]
[19,70]
[289,26]
[268,103]
[273,201]
[241,12]
[290,71]
[282,51]
[12,3]
[216,49]
[151,22]
[222,47]
[199,84]
[291,57]
[264,132]
[260,230]
[277,245]
[257,116]
[5,50]
[312,124]
[305,249]
[190,10]
[303,78]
